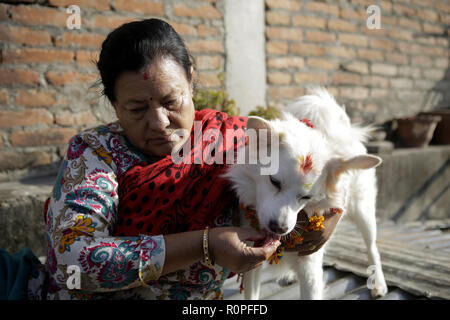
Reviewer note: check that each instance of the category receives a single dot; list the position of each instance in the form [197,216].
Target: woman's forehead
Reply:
[159,79]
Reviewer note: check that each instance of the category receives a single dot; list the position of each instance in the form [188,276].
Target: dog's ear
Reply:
[261,128]
[365,161]
[335,167]
[257,123]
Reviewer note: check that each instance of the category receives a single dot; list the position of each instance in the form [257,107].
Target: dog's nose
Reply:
[275,227]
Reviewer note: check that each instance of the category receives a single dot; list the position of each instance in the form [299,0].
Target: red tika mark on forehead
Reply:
[145,75]
[306,164]
[307,122]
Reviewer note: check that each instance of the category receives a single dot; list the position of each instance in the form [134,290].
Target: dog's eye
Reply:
[302,197]
[275,183]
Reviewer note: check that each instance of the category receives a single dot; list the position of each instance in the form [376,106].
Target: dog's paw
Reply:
[379,292]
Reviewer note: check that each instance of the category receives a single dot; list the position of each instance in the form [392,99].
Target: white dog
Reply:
[323,164]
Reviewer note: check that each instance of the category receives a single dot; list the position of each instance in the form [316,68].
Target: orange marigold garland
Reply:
[314,223]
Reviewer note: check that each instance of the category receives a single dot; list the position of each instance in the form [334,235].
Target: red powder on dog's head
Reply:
[145,75]
[306,164]
[307,122]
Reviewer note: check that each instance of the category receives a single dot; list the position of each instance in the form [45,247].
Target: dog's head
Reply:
[307,176]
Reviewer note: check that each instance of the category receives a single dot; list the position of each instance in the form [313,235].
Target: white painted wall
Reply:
[245,53]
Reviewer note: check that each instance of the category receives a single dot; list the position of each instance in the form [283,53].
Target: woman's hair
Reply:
[134,45]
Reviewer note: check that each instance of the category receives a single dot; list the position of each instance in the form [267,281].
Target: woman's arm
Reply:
[80,220]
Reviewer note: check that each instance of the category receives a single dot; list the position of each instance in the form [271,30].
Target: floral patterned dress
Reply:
[80,219]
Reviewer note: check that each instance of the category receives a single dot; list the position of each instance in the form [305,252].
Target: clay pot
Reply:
[417,131]
[442,131]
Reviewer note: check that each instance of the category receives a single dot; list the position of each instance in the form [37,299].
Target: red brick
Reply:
[11,160]
[289,92]
[319,36]
[326,8]
[397,58]
[18,76]
[209,80]
[308,21]
[400,34]
[26,117]
[62,78]
[286,62]
[200,11]
[347,13]
[87,58]
[401,83]
[279,78]
[4,97]
[375,81]
[322,63]
[354,93]
[68,118]
[24,35]
[277,47]
[311,77]
[208,62]
[77,39]
[140,6]
[37,55]
[204,31]
[346,78]
[205,46]
[402,10]
[353,39]
[382,44]
[39,15]
[340,51]
[358,66]
[280,33]
[108,21]
[342,25]
[34,98]
[290,5]
[421,61]
[383,69]
[427,15]
[183,28]
[409,24]
[4,12]
[307,49]
[97,4]
[278,18]
[372,55]
[46,137]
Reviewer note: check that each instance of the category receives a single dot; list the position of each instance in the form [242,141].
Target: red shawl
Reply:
[164,197]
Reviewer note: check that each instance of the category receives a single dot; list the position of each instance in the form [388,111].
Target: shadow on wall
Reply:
[437,97]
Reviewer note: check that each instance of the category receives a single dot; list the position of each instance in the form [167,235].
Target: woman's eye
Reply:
[169,103]
[275,183]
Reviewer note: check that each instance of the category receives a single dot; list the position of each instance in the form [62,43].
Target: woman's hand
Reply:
[314,240]
[227,246]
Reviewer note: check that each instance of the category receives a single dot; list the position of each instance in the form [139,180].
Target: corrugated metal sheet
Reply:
[415,258]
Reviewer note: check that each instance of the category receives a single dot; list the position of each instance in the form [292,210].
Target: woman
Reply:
[122,213]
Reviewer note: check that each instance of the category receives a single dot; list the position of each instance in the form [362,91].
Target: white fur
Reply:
[335,145]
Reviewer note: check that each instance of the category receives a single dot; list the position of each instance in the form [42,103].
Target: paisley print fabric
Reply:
[81,217]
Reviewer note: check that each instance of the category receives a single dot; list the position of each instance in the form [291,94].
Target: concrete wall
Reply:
[245,53]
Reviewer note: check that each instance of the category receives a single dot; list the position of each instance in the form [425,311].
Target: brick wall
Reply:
[46,71]
[398,70]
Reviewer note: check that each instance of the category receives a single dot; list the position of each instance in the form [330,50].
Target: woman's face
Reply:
[152,104]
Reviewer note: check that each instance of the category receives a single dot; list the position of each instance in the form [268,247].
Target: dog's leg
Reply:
[310,276]
[252,284]
[364,218]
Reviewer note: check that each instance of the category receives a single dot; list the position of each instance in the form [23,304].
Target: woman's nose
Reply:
[158,120]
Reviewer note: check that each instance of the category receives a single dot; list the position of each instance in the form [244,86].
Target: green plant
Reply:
[268,113]
[215,99]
